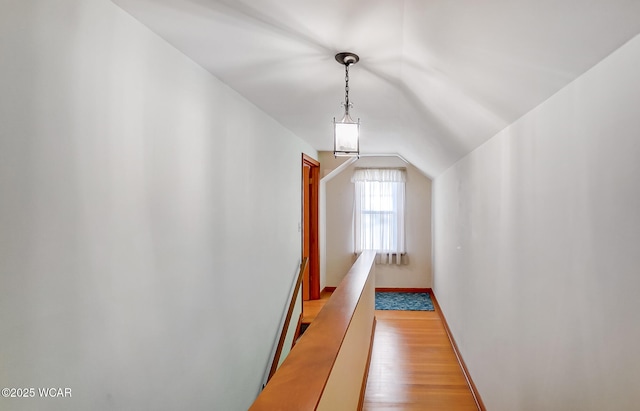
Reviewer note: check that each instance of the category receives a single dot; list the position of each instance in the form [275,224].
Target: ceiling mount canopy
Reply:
[347,58]
[346,132]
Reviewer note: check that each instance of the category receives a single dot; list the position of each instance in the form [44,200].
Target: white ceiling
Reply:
[436,78]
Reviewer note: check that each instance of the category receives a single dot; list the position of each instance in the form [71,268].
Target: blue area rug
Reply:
[403,301]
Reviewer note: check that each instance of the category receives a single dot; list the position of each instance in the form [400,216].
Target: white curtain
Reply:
[379,212]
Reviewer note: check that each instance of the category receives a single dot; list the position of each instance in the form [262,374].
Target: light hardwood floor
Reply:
[311,308]
[413,366]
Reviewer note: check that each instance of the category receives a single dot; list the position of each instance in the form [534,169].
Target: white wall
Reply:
[339,225]
[148,218]
[537,249]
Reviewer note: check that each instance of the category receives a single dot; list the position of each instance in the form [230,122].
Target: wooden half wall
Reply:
[327,368]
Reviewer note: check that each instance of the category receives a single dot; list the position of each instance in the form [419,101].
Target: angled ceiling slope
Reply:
[436,78]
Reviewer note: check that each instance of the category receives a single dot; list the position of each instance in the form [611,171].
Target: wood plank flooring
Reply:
[311,308]
[413,366]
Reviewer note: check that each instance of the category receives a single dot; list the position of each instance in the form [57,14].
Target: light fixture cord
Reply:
[346,88]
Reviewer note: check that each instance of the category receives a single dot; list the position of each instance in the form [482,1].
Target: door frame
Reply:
[314,234]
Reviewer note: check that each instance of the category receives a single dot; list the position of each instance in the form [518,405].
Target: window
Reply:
[379,211]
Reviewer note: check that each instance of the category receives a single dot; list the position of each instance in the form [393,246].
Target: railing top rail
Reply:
[299,382]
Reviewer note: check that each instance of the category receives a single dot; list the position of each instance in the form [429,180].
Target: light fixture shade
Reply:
[346,137]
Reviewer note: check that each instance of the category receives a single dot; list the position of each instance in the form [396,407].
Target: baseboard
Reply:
[463,366]
[402,290]
[389,290]
[365,378]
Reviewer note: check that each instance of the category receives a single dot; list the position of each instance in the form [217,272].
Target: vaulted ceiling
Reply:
[436,78]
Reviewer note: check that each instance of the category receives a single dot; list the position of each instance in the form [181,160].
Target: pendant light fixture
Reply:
[346,132]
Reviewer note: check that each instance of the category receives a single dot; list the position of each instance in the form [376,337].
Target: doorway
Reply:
[310,241]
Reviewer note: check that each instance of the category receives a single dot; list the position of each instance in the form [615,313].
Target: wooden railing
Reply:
[327,368]
[287,320]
